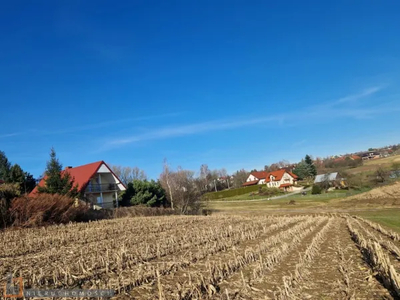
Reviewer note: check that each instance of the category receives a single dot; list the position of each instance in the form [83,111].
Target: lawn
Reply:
[386,217]
[323,202]
[247,196]
[241,203]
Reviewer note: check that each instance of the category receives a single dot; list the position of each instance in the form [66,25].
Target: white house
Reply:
[280,179]
[96,183]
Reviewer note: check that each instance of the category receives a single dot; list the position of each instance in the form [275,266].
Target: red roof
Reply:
[266,175]
[278,175]
[2,181]
[81,175]
[250,183]
[260,175]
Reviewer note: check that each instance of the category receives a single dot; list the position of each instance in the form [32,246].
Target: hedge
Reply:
[232,193]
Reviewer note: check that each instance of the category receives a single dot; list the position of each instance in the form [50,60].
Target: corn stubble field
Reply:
[324,256]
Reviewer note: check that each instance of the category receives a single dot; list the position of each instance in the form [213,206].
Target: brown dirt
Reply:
[390,191]
[216,257]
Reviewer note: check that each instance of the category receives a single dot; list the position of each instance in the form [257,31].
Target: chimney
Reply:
[68,167]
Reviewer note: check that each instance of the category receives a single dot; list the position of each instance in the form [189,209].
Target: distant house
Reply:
[96,182]
[334,179]
[370,155]
[2,181]
[280,179]
[256,178]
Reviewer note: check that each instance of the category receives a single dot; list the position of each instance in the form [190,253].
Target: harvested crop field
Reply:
[324,256]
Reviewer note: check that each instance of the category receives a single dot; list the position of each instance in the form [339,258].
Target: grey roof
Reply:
[323,177]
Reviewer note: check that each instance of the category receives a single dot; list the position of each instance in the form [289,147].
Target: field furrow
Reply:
[318,256]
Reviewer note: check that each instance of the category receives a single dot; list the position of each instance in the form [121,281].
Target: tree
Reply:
[312,170]
[149,193]
[381,175]
[239,178]
[16,175]
[166,183]
[182,190]
[204,178]
[30,183]
[301,170]
[326,183]
[8,192]
[128,174]
[56,181]
[4,167]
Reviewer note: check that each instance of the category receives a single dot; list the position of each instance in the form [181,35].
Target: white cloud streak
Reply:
[340,108]
[7,135]
[88,127]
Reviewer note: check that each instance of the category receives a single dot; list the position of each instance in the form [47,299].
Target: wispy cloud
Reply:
[88,127]
[182,130]
[340,108]
[352,98]
[7,135]
[299,143]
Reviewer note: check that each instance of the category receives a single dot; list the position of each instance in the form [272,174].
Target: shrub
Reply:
[46,209]
[265,191]
[8,191]
[316,189]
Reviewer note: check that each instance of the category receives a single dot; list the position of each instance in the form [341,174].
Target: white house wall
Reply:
[103,169]
[251,178]
[108,177]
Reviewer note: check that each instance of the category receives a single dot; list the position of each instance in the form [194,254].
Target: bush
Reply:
[316,189]
[46,209]
[265,191]
[8,191]
[231,193]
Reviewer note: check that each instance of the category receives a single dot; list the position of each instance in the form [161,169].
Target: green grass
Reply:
[239,203]
[386,217]
[245,197]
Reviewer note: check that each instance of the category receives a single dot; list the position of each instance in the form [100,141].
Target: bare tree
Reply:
[326,182]
[204,177]
[183,192]
[165,182]
[128,174]
[381,175]
[239,178]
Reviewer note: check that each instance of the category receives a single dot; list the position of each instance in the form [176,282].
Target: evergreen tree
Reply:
[312,170]
[16,175]
[4,167]
[302,170]
[149,193]
[56,181]
[30,183]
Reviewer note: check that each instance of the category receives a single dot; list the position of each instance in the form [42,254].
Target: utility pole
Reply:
[215,185]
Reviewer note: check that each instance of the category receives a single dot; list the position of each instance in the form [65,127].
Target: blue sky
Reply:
[233,84]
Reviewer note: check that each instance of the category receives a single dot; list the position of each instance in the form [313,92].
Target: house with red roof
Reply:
[97,184]
[282,179]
